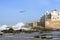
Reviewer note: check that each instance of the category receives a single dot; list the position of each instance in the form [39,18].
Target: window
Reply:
[54,18]
[58,14]
[57,17]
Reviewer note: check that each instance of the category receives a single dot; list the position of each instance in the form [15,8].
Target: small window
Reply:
[58,14]
[57,17]
[54,18]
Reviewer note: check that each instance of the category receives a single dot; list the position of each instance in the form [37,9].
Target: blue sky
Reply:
[33,9]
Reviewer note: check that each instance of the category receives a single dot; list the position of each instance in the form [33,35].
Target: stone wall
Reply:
[52,24]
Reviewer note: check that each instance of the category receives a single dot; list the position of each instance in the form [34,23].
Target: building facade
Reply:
[53,15]
[33,24]
[52,19]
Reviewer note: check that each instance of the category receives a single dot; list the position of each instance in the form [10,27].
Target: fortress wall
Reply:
[52,24]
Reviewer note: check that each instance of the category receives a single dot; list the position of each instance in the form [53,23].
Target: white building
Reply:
[53,15]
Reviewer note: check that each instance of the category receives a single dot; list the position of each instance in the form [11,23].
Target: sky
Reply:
[10,10]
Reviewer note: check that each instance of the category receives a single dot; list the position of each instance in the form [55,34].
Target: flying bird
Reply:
[22,11]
